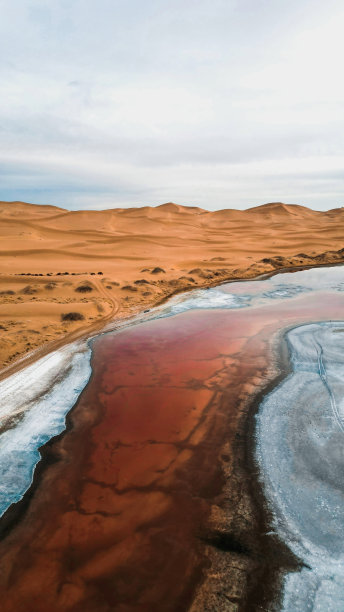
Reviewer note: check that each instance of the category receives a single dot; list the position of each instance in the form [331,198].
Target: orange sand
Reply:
[46,253]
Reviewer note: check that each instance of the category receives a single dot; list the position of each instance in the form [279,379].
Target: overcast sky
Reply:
[216,103]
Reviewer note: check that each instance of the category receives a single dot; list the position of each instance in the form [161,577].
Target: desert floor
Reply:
[66,273]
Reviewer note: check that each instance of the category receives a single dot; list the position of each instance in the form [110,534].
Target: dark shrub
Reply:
[84,289]
[72,316]
[129,288]
[157,271]
[28,290]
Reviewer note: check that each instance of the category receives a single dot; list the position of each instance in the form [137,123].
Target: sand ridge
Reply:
[65,273]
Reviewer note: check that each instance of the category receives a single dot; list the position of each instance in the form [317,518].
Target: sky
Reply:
[215,103]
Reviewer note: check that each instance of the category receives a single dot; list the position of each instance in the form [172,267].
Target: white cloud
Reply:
[221,103]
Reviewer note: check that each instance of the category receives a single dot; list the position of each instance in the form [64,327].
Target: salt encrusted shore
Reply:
[33,405]
[300,429]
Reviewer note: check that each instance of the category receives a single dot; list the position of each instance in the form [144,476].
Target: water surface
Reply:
[128,504]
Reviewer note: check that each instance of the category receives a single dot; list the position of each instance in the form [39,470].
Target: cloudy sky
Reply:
[217,103]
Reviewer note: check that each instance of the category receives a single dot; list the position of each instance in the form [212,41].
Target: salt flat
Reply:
[300,450]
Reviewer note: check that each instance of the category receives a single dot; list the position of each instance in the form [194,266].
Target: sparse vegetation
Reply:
[129,288]
[29,290]
[158,270]
[84,289]
[72,316]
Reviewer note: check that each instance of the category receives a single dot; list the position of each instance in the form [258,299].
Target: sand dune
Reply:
[132,258]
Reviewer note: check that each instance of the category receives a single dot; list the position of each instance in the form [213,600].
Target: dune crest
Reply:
[132,258]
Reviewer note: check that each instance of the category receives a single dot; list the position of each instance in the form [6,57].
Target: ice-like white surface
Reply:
[279,287]
[204,299]
[300,451]
[283,291]
[33,406]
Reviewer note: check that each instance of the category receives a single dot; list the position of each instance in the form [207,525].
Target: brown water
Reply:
[121,516]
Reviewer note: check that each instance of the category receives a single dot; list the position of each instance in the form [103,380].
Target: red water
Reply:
[118,522]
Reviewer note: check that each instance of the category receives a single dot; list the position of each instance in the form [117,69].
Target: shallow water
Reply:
[154,382]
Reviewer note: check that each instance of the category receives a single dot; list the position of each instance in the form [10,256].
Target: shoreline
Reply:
[290,535]
[268,557]
[16,511]
[92,330]
[266,581]
[268,587]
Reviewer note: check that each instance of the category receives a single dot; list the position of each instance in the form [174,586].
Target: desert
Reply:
[65,274]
